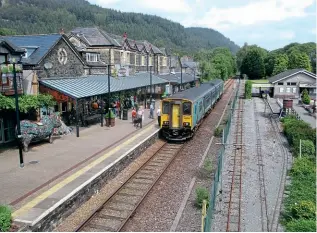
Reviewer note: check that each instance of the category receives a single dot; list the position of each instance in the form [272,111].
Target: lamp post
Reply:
[150,85]
[109,95]
[19,136]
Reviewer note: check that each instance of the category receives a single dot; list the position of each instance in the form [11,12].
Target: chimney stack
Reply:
[61,31]
[125,35]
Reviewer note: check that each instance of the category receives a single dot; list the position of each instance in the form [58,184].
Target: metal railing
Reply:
[208,215]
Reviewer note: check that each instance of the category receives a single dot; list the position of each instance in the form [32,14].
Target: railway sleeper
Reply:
[123,214]
[120,206]
[104,224]
[131,200]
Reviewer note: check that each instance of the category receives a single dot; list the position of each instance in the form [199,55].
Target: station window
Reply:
[294,89]
[187,108]
[280,84]
[166,106]
[281,89]
[293,84]
[288,89]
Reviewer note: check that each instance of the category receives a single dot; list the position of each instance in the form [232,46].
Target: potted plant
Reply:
[112,119]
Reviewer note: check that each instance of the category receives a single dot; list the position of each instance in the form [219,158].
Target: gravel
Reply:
[158,210]
[272,164]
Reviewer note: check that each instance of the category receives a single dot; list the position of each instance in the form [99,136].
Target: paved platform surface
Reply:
[304,115]
[54,162]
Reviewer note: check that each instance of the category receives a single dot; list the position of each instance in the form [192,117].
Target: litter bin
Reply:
[125,114]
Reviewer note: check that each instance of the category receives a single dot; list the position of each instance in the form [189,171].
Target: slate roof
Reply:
[93,85]
[190,64]
[95,37]
[195,92]
[44,44]
[12,47]
[176,78]
[288,73]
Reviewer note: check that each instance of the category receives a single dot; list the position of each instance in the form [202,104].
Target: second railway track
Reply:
[117,210]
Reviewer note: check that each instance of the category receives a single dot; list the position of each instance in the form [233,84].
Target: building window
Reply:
[294,89]
[92,57]
[143,61]
[314,90]
[166,106]
[4,80]
[281,89]
[288,90]
[293,84]
[280,84]
[288,83]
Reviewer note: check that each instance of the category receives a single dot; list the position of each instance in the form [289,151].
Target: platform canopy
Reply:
[94,85]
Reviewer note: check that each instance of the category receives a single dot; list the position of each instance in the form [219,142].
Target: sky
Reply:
[270,24]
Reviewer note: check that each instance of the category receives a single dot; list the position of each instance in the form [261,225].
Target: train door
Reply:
[176,115]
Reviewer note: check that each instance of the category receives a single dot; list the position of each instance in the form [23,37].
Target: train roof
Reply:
[195,92]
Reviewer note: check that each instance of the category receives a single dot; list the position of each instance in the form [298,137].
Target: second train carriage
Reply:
[182,112]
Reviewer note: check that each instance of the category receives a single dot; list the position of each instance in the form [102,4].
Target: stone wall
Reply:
[73,66]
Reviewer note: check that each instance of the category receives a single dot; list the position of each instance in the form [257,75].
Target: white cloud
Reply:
[256,36]
[286,35]
[313,31]
[176,6]
[253,13]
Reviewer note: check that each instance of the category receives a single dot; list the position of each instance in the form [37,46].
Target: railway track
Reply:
[117,210]
[113,214]
[285,159]
[235,172]
[264,209]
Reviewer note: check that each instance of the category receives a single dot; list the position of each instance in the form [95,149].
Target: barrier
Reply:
[206,223]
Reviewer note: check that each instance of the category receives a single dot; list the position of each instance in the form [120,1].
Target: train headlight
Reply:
[186,124]
[165,122]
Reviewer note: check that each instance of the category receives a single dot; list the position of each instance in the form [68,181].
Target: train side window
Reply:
[200,107]
[187,108]
[166,106]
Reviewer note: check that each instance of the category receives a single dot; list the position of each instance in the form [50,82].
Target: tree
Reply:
[253,63]
[299,60]
[305,97]
[280,64]
[269,62]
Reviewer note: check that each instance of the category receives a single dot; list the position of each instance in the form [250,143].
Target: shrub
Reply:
[5,218]
[208,165]
[308,148]
[305,97]
[304,209]
[301,226]
[218,131]
[201,194]
[302,167]
[248,89]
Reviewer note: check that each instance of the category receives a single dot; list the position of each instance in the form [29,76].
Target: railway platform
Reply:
[59,176]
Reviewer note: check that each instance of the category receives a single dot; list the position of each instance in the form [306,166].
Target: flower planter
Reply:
[112,122]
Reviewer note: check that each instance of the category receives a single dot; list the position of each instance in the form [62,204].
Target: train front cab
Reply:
[176,119]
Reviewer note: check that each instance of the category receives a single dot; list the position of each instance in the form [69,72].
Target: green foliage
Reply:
[216,63]
[7,32]
[218,131]
[280,64]
[112,115]
[308,148]
[301,226]
[299,60]
[27,102]
[5,218]
[38,16]
[201,194]
[6,103]
[248,89]
[305,97]
[208,165]
[304,209]
[253,63]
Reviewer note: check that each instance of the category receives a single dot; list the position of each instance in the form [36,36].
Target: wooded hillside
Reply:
[48,16]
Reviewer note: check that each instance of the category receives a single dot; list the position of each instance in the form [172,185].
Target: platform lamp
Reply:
[17,110]
[109,94]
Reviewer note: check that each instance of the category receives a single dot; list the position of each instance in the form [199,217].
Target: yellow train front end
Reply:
[176,119]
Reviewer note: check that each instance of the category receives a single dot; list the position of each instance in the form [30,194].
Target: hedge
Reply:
[248,89]
[5,218]
[300,206]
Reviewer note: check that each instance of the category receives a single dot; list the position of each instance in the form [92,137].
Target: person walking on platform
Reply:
[159,116]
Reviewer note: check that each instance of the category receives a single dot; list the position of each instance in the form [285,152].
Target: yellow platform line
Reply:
[72,177]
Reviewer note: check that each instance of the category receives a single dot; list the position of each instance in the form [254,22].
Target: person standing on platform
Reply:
[133,115]
[159,116]
[151,111]
[141,115]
